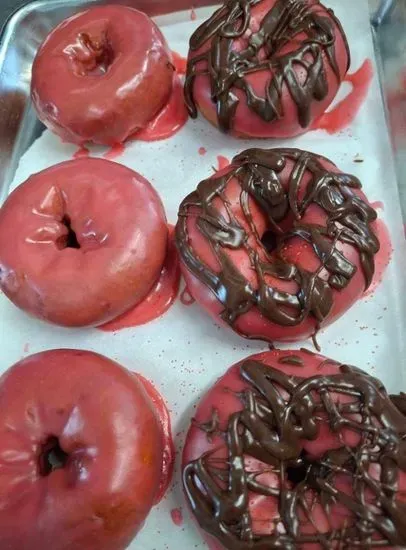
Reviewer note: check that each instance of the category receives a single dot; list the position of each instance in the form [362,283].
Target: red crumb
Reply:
[177,517]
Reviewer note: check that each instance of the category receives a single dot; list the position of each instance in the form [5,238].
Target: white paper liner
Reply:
[184,351]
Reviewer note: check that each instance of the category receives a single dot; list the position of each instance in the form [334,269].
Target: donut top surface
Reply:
[278,182]
[358,484]
[291,35]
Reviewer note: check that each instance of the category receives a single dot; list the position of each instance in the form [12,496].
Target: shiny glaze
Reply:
[180,63]
[113,441]
[309,458]
[104,265]
[101,75]
[115,152]
[264,59]
[168,451]
[322,252]
[159,299]
[169,121]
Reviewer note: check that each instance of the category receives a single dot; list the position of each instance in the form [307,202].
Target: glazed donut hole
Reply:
[91,55]
[69,240]
[51,456]
[76,231]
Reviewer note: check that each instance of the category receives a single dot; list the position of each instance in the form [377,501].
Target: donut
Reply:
[291,450]
[82,453]
[266,68]
[81,242]
[102,75]
[277,245]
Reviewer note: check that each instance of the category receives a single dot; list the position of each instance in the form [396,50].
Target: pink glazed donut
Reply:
[278,244]
[86,451]
[291,450]
[102,75]
[81,242]
[266,68]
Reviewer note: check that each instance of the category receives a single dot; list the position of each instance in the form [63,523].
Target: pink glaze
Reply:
[295,250]
[247,123]
[378,205]
[344,113]
[180,63]
[115,151]
[121,235]
[222,162]
[383,259]
[170,120]
[160,298]
[177,517]
[111,430]
[223,396]
[101,75]
[186,298]
[168,451]
[82,152]
[202,151]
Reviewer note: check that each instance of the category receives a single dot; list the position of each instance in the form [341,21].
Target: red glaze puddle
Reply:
[168,461]
[115,151]
[193,15]
[160,298]
[180,63]
[170,120]
[176,516]
[81,153]
[186,298]
[384,257]
[202,151]
[222,162]
[377,205]
[343,114]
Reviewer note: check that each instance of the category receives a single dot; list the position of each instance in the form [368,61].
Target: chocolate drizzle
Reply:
[284,200]
[294,360]
[294,37]
[278,413]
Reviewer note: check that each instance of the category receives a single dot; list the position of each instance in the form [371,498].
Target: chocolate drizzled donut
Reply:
[228,67]
[258,173]
[278,412]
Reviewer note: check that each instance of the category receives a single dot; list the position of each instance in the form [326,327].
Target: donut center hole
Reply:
[269,241]
[298,472]
[91,56]
[69,240]
[52,457]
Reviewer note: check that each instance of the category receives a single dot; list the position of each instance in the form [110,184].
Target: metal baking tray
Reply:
[27,28]
[179,374]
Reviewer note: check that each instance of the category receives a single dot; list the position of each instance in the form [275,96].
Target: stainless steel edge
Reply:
[389,24]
